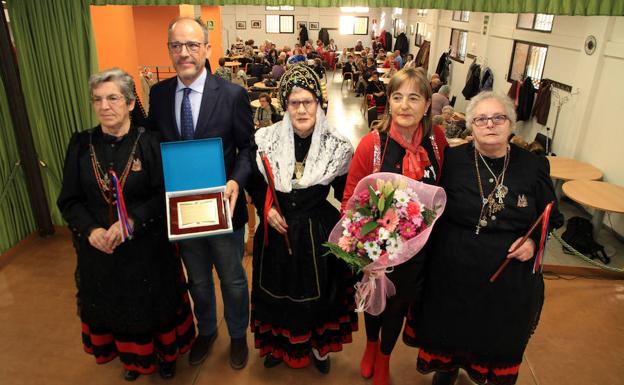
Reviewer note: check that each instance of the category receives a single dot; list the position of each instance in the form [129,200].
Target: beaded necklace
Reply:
[489,205]
[101,176]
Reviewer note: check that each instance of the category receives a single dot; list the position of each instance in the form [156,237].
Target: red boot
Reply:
[367,365]
[382,369]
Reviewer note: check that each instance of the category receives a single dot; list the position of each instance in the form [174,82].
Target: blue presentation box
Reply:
[195,180]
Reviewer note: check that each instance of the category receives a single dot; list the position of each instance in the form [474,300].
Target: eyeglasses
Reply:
[111,99]
[297,103]
[497,120]
[191,46]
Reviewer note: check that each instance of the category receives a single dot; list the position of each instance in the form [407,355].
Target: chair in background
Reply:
[346,76]
[371,113]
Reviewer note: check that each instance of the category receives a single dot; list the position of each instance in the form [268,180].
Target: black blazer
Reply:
[224,113]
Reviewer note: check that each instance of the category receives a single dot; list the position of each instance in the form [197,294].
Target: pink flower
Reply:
[413,209]
[346,243]
[363,197]
[390,220]
[407,230]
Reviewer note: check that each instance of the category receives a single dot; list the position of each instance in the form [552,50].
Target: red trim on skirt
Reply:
[481,373]
[142,357]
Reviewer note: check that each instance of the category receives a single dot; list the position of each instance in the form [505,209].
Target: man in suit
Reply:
[195,105]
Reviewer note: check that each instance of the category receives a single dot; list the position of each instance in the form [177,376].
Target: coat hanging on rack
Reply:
[444,67]
[422,57]
[523,94]
[402,44]
[388,41]
[541,109]
[487,80]
[323,36]
[472,81]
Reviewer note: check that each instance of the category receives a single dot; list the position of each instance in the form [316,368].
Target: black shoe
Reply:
[238,353]
[167,370]
[357,95]
[131,375]
[445,377]
[322,366]
[201,348]
[271,362]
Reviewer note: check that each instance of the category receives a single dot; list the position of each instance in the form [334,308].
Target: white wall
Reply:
[326,17]
[590,128]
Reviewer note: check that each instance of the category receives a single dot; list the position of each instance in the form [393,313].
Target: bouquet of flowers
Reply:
[387,221]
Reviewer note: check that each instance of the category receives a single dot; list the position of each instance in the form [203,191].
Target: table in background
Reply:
[234,65]
[564,169]
[601,196]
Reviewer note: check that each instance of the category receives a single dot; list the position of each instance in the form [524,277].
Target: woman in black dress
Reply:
[495,191]
[407,144]
[131,296]
[302,304]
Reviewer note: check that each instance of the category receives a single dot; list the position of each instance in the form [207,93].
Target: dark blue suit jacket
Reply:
[224,113]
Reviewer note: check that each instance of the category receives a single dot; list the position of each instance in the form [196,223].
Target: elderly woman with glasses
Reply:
[131,298]
[302,302]
[495,192]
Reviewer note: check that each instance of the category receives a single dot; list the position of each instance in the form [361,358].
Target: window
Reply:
[535,21]
[353,25]
[280,24]
[461,15]
[421,12]
[459,42]
[527,59]
[420,33]
[279,8]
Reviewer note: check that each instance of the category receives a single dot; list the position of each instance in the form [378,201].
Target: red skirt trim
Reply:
[141,357]
[479,372]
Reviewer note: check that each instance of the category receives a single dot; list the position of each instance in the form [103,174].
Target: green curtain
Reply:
[56,54]
[553,7]
[16,218]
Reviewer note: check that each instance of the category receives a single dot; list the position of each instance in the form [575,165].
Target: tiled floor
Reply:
[580,339]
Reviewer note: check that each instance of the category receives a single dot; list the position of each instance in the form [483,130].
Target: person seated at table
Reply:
[257,69]
[391,62]
[240,79]
[371,67]
[343,58]
[435,82]
[278,69]
[398,58]
[332,46]
[359,68]
[440,99]
[358,46]
[381,54]
[349,66]
[248,50]
[265,115]
[272,56]
[318,68]
[389,73]
[378,91]
[222,71]
[410,62]
[320,48]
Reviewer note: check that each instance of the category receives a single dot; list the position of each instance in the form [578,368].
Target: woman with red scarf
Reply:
[405,143]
